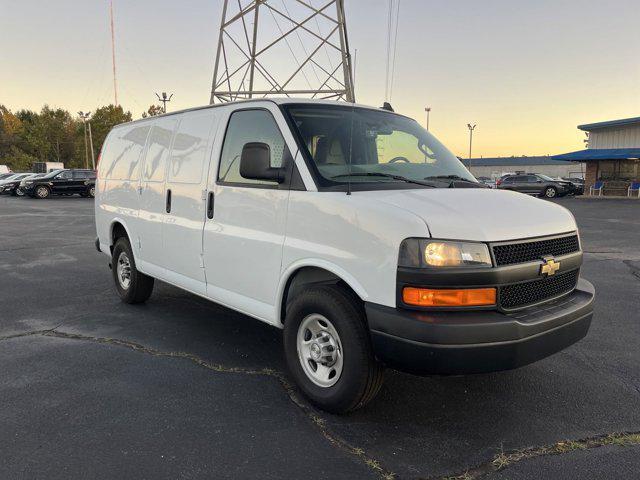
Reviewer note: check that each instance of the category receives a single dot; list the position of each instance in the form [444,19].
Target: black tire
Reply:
[140,286]
[18,192]
[550,192]
[362,375]
[91,191]
[42,192]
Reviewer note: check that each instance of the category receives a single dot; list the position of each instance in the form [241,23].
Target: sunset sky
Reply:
[526,72]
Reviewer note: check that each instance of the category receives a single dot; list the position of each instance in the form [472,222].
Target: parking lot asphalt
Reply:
[183,388]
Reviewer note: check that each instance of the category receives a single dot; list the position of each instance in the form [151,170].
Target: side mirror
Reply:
[255,163]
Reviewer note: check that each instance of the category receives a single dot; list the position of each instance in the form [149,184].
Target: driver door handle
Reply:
[168,205]
[210,205]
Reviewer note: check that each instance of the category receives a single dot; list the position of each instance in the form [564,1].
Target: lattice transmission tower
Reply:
[282,48]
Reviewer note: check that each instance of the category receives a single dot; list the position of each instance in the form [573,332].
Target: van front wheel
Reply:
[328,350]
[132,286]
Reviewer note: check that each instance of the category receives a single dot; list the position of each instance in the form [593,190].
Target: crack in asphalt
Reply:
[318,422]
[635,271]
[506,459]
[499,462]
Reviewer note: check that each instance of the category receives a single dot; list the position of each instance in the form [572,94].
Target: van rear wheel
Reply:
[132,286]
[328,350]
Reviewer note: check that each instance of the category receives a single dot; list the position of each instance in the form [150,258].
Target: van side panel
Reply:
[119,178]
[152,190]
[185,199]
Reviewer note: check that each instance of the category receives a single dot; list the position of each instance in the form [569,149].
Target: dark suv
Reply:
[62,182]
[537,184]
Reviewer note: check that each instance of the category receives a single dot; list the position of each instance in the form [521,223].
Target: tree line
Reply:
[54,135]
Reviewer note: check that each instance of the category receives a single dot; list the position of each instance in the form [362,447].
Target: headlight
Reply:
[425,253]
[28,182]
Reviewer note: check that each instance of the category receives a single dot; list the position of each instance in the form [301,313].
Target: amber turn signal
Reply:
[426,297]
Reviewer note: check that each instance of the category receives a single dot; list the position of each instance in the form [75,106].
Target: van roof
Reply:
[277,101]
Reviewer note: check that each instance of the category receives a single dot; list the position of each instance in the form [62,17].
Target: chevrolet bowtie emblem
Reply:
[549,267]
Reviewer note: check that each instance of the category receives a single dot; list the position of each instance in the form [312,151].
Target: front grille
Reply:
[534,250]
[522,294]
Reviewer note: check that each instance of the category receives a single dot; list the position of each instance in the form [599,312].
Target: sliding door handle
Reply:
[168,205]
[210,205]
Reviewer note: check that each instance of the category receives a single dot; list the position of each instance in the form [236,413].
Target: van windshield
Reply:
[364,146]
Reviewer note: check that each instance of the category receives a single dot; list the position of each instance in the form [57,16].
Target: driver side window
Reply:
[66,175]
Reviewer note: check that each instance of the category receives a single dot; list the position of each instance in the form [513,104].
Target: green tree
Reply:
[103,120]
[152,111]
[52,135]
[10,130]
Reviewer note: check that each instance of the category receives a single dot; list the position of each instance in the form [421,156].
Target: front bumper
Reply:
[462,342]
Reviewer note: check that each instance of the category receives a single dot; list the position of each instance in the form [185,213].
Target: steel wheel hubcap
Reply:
[42,192]
[319,350]
[551,193]
[123,270]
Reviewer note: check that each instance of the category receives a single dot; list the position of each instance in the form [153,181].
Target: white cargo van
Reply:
[352,229]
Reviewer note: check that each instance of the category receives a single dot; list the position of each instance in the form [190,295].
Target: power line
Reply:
[393,13]
[395,48]
[286,40]
[302,43]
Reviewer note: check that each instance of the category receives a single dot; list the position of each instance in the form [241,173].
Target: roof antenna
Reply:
[387,106]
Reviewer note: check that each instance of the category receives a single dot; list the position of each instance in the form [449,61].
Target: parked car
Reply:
[536,184]
[4,176]
[9,184]
[19,189]
[339,224]
[489,182]
[62,182]
[502,177]
[577,182]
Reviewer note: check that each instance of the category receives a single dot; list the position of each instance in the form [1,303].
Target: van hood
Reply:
[486,215]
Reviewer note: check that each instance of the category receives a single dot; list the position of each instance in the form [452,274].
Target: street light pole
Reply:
[164,99]
[471,129]
[84,117]
[93,160]
[428,110]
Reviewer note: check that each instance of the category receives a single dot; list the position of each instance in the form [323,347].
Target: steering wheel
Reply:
[399,159]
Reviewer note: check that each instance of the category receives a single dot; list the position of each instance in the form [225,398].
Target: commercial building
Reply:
[498,166]
[612,156]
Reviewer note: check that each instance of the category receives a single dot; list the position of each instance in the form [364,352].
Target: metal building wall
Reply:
[616,137]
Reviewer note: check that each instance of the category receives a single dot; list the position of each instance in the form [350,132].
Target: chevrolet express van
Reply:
[350,228]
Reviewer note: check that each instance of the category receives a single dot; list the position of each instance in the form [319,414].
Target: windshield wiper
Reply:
[449,177]
[386,175]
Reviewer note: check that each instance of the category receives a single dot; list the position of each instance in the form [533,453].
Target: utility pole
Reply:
[256,64]
[164,99]
[84,117]
[93,160]
[428,110]
[113,54]
[471,129]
